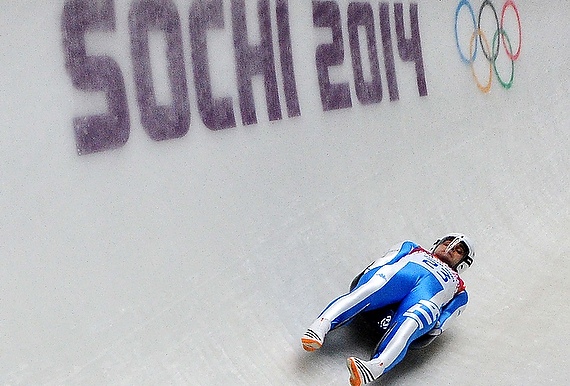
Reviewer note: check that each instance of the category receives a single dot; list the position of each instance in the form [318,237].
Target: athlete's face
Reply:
[453,256]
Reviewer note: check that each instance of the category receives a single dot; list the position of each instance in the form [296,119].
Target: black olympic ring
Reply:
[491,52]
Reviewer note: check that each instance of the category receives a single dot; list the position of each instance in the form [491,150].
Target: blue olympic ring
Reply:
[472,13]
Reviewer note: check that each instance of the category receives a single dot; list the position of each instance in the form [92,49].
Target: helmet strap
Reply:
[463,264]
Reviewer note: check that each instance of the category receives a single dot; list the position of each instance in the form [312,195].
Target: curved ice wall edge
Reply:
[204,258]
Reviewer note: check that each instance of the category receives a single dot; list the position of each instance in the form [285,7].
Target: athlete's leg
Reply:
[362,372]
[415,317]
[389,285]
[413,323]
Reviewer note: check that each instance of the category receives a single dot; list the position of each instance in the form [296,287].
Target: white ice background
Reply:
[201,260]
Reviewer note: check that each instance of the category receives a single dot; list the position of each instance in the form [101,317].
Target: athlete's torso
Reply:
[449,279]
[410,259]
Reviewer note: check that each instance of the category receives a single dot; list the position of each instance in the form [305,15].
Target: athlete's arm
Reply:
[449,312]
[394,254]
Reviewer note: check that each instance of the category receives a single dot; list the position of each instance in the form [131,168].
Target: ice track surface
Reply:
[202,260]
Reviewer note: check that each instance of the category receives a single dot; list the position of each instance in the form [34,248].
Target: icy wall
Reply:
[184,185]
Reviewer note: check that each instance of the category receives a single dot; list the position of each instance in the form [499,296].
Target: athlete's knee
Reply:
[425,313]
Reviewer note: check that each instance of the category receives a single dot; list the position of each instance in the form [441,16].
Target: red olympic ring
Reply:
[509,51]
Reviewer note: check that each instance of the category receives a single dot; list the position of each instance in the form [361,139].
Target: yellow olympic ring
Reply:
[475,34]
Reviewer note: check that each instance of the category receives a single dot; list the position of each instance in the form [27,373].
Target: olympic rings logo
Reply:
[491,51]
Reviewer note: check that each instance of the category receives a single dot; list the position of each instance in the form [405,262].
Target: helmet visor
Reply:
[457,242]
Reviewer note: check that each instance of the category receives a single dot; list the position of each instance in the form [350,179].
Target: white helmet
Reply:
[457,238]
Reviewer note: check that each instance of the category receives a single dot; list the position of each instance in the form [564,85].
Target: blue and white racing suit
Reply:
[428,291]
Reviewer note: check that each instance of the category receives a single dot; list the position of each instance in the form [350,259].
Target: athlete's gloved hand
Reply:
[436,330]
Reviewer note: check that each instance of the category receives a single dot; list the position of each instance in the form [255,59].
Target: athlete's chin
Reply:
[443,258]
